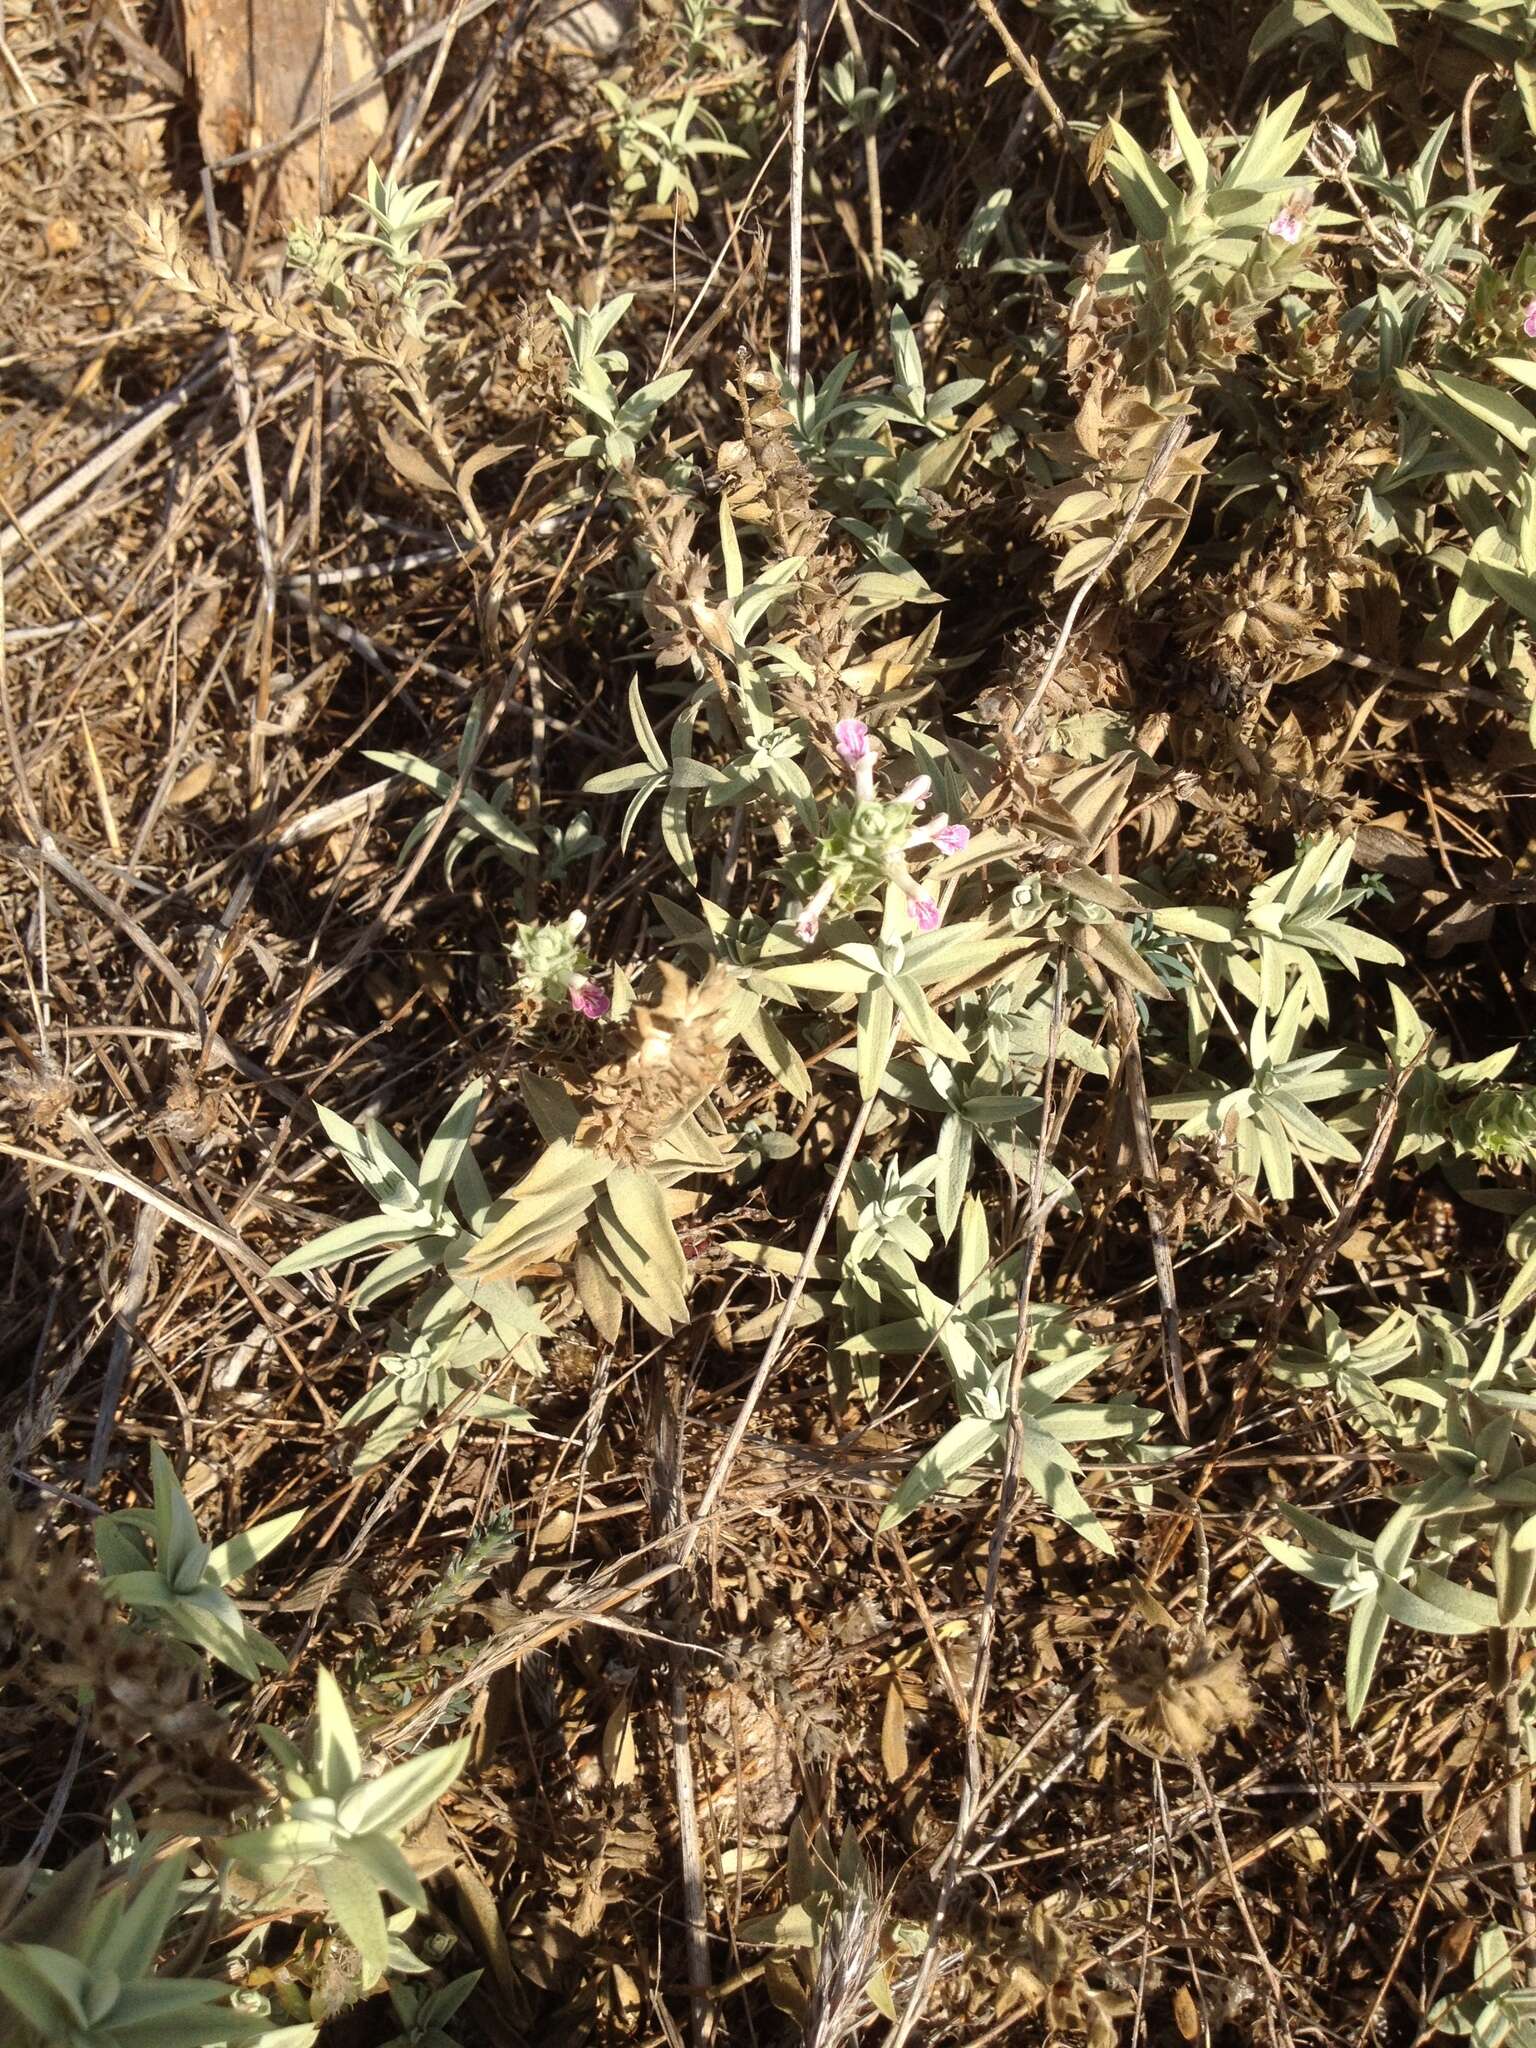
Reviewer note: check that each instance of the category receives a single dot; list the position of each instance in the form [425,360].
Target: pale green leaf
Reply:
[1366,18]
[1367,1632]
[232,1560]
[1284,22]
[358,1911]
[440,1160]
[877,1016]
[384,1864]
[46,1988]
[338,1759]
[961,1447]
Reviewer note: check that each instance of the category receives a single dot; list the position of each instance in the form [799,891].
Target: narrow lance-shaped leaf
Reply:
[358,1911]
[961,1447]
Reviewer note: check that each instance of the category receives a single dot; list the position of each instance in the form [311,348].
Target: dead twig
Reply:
[781,1329]
[802,54]
[668,1518]
[1517,1785]
[971,1788]
[113,451]
[1240,1900]
[872,195]
[129,1184]
[260,642]
[1133,1078]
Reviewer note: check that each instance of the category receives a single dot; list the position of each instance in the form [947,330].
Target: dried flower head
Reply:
[685,620]
[173,1747]
[766,483]
[41,1094]
[675,1056]
[1331,148]
[197,1110]
[1031,1960]
[1176,1702]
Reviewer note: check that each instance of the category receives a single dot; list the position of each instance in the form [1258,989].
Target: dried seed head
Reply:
[196,1111]
[41,1094]
[1176,1703]
[1027,1961]
[675,1057]
[173,1747]
[1332,148]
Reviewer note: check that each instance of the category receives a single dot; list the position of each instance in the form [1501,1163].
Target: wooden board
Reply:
[258,66]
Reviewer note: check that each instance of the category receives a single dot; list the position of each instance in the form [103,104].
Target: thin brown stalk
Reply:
[1468,155]
[1313,1263]
[782,1327]
[114,449]
[695,1921]
[792,338]
[1175,434]
[49,854]
[1517,1783]
[1240,1899]
[1039,1212]
[1010,43]
[850,28]
[317,395]
[261,520]
[971,1787]
[784,1322]
[1034,78]
[667,1516]
[1023,1807]
[1135,1082]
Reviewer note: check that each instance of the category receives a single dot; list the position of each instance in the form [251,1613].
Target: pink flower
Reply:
[588,1000]
[917,792]
[1288,223]
[853,741]
[941,834]
[1529,322]
[925,913]
[808,923]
